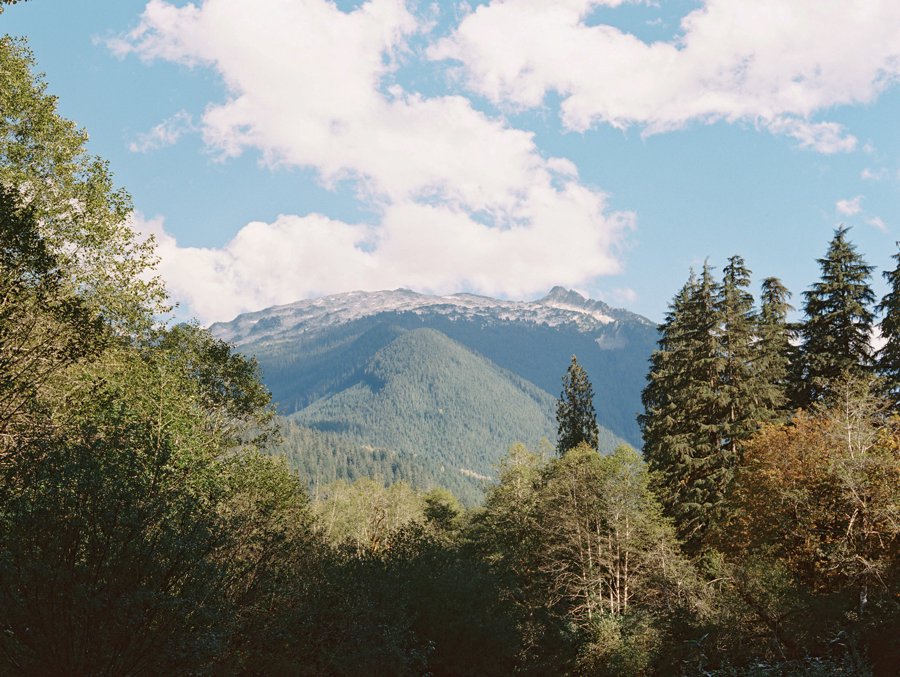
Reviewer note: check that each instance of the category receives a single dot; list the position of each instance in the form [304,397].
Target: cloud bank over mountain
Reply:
[461,198]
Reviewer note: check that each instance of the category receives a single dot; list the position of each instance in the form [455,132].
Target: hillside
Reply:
[409,385]
[428,410]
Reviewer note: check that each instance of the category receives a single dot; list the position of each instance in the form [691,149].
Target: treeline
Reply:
[724,369]
[774,448]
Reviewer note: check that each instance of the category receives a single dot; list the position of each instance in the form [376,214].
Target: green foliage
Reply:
[888,358]
[44,327]
[576,420]
[363,515]
[775,353]
[425,410]
[82,218]
[593,564]
[686,414]
[743,384]
[113,519]
[838,322]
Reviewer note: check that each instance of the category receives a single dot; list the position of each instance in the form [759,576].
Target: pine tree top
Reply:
[839,317]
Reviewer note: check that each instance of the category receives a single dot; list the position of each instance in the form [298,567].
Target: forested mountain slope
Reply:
[428,410]
[363,377]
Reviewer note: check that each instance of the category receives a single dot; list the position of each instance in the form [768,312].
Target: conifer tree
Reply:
[888,358]
[838,320]
[775,353]
[575,415]
[665,431]
[684,411]
[741,381]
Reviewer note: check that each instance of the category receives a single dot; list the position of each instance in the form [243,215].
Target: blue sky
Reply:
[284,149]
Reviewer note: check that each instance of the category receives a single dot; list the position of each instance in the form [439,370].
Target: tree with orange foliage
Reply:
[821,493]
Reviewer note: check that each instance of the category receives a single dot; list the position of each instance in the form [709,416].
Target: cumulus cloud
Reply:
[878,223]
[302,256]
[824,137]
[768,62]
[849,207]
[166,133]
[464,201]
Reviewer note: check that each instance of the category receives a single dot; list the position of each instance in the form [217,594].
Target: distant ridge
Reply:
[319,357]
[559,306]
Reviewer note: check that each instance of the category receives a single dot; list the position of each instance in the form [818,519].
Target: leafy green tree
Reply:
[442,512]
[888,358]
[44,327]
[141,531]
[81,217]
[589,559]
[837,329]
[600,527]
[362,515]
[115,552]
[575,416]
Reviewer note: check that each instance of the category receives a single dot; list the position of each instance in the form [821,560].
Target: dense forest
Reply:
[145,530]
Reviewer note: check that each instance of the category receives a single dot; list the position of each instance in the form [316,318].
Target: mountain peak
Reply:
[559,307]
[562,295]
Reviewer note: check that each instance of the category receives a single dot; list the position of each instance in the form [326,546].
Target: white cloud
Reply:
[824,137]
[166,133]
[849,207]
[769,62]
[429,248]
[464,200]
[869,174]
[877,339]
[878,222]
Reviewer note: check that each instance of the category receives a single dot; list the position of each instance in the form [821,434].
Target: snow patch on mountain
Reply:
[560,307]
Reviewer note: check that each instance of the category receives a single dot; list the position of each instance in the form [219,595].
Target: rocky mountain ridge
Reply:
[558,308]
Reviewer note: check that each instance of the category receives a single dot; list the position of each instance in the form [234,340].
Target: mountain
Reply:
[436,387]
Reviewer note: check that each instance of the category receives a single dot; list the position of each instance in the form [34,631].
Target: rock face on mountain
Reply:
[381,370]
[560,308]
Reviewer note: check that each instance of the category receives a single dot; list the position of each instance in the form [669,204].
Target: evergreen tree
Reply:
[774,352]
[575,415]
[742,383]
[663,427]
[685,411]
[838,320]
[888,364]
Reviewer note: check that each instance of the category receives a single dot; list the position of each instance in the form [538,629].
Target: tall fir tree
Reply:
[836,332]
[888,357]
[742,383]
[664,428]
[682,423]
[575,415]
[774,352]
